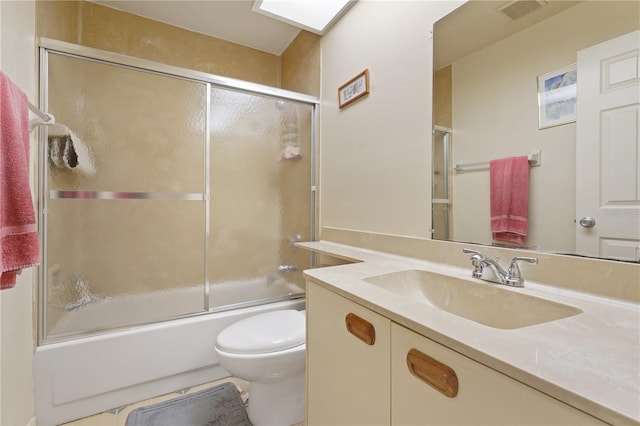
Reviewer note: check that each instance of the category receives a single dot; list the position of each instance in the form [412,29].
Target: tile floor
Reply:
[118,417]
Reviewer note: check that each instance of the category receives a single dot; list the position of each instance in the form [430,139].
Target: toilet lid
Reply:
[262,333]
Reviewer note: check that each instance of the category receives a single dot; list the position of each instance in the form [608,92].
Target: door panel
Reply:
[608,149]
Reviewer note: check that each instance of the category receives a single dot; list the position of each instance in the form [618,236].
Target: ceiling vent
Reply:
[518,8]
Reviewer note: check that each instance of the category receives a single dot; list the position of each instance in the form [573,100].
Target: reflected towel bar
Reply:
[535,159]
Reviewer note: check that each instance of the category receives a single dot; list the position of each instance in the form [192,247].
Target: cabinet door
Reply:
[484,396]
[348,379]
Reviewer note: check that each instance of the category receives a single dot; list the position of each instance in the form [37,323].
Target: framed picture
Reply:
[354,89]
[557,94]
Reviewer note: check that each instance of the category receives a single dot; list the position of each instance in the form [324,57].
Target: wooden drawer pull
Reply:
[434,373]
[361,328]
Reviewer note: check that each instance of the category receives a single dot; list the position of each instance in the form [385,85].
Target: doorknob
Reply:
[587,222]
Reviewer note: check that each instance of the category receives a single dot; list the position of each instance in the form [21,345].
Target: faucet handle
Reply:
[466,250]
[476,261]
[476,256]
[533,260]
[514,276]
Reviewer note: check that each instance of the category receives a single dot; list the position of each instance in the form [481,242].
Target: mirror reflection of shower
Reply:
[440,194]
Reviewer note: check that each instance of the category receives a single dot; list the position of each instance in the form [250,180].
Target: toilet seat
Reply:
[264,333]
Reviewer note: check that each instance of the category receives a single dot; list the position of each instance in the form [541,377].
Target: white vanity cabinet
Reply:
[351,382]
[484,396]
[348,379]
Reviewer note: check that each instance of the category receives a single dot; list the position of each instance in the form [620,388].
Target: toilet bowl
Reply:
[268,351]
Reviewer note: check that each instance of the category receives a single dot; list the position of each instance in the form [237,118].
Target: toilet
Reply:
[268,351]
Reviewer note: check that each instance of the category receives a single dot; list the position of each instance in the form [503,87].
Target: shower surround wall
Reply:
[93,25]
[104,28]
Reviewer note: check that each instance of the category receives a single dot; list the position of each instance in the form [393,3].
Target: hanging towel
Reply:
[68,151]
[19,246]
[509,198]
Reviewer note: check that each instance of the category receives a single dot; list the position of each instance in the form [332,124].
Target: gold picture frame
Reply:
[354,89]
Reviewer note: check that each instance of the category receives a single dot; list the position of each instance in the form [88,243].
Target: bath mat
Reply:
[217,406]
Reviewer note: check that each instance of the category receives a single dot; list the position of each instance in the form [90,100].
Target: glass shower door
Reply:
[440,196]
[166,195]
[260,189]
[139,176]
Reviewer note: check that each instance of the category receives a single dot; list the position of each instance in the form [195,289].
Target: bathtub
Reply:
[89,375]
[108,313]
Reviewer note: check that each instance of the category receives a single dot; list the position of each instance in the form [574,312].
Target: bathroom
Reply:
[385,205]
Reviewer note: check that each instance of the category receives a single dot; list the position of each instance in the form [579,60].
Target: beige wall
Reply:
[300,64]
[58,20]
[17,60]
[376,153]
[495,115]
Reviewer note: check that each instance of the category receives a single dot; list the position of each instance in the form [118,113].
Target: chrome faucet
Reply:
[288,268]
[488,269]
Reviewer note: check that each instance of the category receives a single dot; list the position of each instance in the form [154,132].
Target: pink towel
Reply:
[509,198]
[19,246]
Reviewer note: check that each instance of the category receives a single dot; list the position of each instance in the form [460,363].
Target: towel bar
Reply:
[44,118]
[535,159]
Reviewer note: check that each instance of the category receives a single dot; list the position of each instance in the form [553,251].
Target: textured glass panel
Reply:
[440,210]
[120,262]
[112,263]
[440,221]
[439,169]
[260,197]
[134,130]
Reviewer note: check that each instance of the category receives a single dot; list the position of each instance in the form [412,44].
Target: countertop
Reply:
[590,361]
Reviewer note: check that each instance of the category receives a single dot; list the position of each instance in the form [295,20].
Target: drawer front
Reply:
[484,396]
[348,362]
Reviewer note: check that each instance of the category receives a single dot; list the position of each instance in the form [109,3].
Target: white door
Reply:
[608,149]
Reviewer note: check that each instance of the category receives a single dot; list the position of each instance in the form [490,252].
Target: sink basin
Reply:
[486,304]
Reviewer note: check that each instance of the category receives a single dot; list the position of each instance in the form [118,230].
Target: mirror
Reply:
[488,57]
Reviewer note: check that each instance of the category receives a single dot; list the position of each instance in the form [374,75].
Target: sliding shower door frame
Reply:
[48,46]
[445,199]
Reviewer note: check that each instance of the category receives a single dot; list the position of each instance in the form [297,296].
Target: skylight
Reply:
[316,16]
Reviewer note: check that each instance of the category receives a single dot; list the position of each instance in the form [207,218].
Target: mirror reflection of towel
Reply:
[509,187]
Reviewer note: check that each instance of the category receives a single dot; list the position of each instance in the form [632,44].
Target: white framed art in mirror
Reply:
[557,96]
